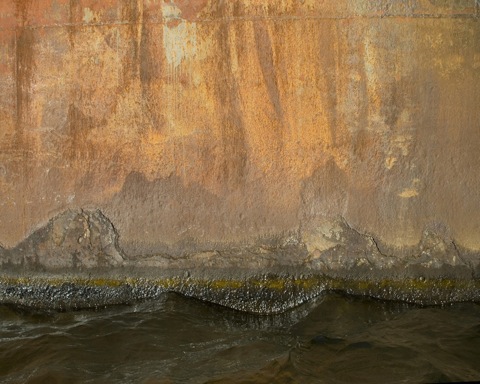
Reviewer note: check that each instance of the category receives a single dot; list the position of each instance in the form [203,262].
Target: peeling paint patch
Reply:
[408,193]
[179,38]
[179,42]
[88,15]
[390,162]
[170,11]
[412,191]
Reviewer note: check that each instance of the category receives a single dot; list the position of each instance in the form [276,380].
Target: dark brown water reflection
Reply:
[337,339]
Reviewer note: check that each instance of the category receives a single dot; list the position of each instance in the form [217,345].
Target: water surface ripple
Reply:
[337,339]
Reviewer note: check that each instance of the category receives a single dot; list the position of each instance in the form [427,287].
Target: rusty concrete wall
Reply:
[209,125]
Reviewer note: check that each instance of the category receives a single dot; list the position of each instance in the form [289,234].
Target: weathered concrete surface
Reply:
[336,138]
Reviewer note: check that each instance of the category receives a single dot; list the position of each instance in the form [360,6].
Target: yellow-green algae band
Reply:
[266,294]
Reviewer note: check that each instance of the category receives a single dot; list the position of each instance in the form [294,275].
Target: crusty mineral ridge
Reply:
[326,134]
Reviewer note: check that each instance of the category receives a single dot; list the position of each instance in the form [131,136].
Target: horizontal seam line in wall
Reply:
[472,15]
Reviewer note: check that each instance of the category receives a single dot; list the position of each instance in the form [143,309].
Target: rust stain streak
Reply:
[17,115]
[328,68]
[21,9]
[73,10]
[265,58]
[150,72]
[24,73]
[233,126]
[133,11]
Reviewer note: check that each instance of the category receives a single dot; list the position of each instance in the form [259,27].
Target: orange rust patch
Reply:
[190,8]
[173,23]
[8,17]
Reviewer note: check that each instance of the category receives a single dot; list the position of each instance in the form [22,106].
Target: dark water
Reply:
[337,339]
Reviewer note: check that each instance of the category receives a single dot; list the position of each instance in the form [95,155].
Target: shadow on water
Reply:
[335,339]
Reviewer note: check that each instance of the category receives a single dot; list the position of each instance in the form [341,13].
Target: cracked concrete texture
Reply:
[337,137]
[83,240]
[76,239]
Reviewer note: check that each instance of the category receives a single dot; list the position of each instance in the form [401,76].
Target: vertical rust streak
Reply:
[74,8]
[132,13]
[21,9]
[265,58]
[150,72]
[327,65]
[233,126]
[78,127]
[18,142]
[24,65]
[15,71]
[362,106]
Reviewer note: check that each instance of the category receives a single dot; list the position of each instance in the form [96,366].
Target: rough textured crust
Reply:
[75,262]
[336,139]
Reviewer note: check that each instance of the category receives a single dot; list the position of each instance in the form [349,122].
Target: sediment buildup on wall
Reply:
[252,153]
